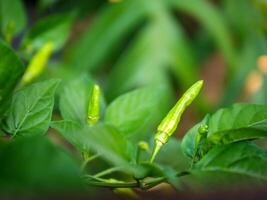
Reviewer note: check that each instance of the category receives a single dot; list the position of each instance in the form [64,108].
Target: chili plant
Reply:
[115,141]
[62,134]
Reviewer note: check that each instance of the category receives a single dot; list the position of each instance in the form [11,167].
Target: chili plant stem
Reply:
[114,185]
[142,184]
[107,171]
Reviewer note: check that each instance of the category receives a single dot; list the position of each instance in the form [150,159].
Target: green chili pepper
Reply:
[94,106]
[169,124]
[38,63]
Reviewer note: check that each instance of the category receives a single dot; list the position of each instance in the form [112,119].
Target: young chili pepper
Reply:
[38,62]
[94,106]
[169,124]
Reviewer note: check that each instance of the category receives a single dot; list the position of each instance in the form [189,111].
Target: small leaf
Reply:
[138,112]
[31,109]
[236,123]
[237,158]
[54,28]
[36,164]
[11,69]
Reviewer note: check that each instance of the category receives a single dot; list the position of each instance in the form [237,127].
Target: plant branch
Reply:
[142,184]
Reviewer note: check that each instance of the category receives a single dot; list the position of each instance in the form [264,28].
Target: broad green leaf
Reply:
[31,109]
[188,144]
[54,28]
[110,143]
[36,164]
[73,100]
[12,17]
[138,112]
[103,139]
[72,132]
[171,155]
[94,46]
[236,123]
[238,159]
[11,70]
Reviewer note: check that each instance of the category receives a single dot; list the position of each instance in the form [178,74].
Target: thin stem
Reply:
[151,183]
[107,171]
[113,185]
[85,162]
[156,149]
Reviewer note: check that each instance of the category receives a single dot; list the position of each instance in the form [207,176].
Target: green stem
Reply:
[156,149]
[107,171]
[113,185]
[143,184]
[85,162]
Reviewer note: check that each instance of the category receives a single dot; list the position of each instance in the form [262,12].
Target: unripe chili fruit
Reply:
[37,63]
[169,124]
[94,106]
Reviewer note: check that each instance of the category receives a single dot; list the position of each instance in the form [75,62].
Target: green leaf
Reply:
[238,158]
[189,140]
[36,164]
[54,28]
[12,17]
[110,143]
[171,155]
[72,132]
[73,100]
[103,139]
[138,112]
[237,123]
[11,70]
[31,109]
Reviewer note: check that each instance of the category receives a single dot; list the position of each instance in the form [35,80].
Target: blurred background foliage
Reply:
[125,44]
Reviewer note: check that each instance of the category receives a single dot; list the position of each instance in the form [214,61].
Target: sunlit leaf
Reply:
[138,112]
